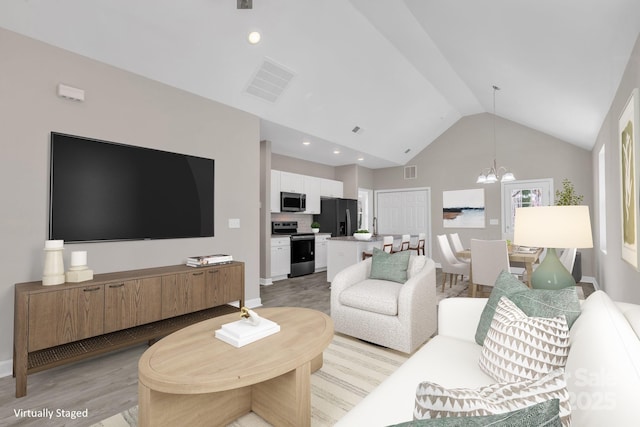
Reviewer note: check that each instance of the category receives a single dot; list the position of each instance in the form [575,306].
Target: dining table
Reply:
[526,256]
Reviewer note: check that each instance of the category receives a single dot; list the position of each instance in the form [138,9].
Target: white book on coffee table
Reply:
[242,332]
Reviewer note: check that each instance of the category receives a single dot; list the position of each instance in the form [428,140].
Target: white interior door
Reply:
[404,212]
[526,193]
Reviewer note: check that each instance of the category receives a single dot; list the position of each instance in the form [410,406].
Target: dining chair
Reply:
[457,246]
[420,245]
[568,258]
[488,259]
[450,265]
[387,246]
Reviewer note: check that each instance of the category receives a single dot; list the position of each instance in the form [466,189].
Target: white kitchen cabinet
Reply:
[280,257]
[275,191]
[291,182]
[331,188]
[312,190]
[321,251]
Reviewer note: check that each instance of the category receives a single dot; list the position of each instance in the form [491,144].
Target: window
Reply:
[602,202]
[364,209]
[526,193]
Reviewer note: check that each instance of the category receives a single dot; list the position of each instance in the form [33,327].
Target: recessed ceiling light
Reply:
[336,151]
[306,143]
[254,37]
[360,159]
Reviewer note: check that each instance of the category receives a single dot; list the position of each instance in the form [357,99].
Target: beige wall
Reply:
[348,174]
[125,108]
[454,160]
[365,177]
[303,167]
[265,210]
[618,278]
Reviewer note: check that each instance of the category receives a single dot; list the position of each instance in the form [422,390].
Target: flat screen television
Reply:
[104,191]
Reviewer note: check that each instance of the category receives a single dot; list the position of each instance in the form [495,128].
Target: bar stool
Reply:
[387,246]
[419,247]
[404,244]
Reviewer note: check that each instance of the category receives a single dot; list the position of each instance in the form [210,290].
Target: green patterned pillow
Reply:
[386,266]
[541,414]
[534,302]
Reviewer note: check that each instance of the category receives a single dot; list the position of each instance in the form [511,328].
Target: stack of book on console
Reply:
[203,260]
[242,332]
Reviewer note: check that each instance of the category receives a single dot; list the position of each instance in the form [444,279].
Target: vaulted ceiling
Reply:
[400,71]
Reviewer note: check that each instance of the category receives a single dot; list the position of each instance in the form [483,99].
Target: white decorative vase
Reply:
[315,230]
[53,273]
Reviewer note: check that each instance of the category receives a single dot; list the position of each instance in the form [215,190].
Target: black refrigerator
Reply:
[338,216]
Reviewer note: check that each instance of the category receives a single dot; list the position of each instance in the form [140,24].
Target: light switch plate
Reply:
[494,221]
[234,222]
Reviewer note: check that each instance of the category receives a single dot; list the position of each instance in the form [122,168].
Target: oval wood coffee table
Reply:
[192,378]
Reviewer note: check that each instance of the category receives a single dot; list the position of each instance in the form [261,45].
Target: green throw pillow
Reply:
[541,414]
[534,302]
[386,266]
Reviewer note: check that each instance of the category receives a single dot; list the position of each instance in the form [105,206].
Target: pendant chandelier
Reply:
[494,173]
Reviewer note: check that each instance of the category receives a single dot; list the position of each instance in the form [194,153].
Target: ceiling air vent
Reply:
[410,172]
[269,81]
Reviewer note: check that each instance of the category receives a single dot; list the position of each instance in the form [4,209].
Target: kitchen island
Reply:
[344,251]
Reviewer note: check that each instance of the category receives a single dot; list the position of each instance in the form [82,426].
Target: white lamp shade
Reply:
[491,178]
[553,227]
[508,177]
[481,179]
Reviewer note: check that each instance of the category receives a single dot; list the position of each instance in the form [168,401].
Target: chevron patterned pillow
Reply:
[435,401]
[519,347]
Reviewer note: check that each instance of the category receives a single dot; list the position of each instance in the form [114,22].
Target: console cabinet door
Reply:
[132,303]
[66,315]
[225,285]
[183,293]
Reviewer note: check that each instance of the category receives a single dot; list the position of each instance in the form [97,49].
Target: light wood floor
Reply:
[107,385]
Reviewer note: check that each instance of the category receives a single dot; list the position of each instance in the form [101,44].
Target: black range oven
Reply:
[302,247]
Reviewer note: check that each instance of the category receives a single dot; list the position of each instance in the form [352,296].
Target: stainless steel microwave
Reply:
[293,202]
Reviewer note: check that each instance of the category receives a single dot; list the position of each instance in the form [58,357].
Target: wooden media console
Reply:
[55,325]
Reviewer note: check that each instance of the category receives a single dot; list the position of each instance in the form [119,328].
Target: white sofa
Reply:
[401,316]
[602,371]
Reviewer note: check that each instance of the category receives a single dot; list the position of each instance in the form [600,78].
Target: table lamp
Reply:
[552,227]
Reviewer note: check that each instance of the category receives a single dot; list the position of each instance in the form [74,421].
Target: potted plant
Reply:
[568,197]
[315,226]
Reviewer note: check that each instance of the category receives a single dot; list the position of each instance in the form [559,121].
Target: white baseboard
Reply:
[250,303]
[253,303]
[6,368]
[266,282]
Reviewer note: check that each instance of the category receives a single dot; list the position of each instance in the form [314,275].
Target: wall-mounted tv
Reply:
[103,191]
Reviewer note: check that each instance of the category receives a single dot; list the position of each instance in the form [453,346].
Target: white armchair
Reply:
[395,315]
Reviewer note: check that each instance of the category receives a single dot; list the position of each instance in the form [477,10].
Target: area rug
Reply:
[460,289]
[351,370]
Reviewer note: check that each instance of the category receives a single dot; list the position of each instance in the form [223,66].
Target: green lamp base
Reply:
[551,274]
